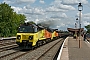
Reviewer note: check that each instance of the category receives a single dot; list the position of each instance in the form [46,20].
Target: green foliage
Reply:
[88,28]
[9,20]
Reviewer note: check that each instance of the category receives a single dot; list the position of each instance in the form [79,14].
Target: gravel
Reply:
[37,52]
[33,54]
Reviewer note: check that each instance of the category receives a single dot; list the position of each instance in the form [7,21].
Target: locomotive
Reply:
[31,35]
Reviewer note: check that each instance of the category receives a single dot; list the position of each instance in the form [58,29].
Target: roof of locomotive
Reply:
[28,24]
[38,26]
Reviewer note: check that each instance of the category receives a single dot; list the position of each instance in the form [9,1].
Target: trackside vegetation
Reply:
[9,20]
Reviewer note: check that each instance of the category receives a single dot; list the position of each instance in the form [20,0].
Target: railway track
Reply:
[5,44]
[41,52]
[13,53]
[47,55]
[5,48]
[8,50]
[6,41]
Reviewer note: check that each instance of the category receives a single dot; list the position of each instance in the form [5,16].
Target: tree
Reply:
[88,28]
[9,20]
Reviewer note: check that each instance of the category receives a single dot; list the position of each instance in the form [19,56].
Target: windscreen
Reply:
[26,29]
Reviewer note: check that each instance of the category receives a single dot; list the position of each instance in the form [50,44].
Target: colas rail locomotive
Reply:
[31,35]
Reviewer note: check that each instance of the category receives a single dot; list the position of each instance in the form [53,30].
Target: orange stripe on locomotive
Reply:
[48,34]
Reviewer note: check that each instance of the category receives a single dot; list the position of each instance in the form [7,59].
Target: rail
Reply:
[8,38]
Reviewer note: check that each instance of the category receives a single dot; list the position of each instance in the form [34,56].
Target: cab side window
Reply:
[35,29]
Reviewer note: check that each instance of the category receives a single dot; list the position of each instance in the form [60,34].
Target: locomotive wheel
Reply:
[41,43]
[44,42]
[33,48]
[48,40]
[38,44]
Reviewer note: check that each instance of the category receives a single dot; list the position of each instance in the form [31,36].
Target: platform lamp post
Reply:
[80,8]
[76,23]
[76,28]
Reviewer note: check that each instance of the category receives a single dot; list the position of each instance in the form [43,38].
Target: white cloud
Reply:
[70,2]
[59,16]
[19,1]
[32,10]
[64,15]
[38,11]
[66,7]
[36,21]
[31,13]
[83,1]
[58,26]
[86,23]
[57,4]
[16,9]
[74,2]
[25,1]
[42,1]
[54,9]
[8,1]
[86,15]
[28,7]
[87,18]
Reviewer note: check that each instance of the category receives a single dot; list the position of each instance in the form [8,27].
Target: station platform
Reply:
[71,50]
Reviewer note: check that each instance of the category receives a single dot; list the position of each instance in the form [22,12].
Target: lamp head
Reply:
[80,7]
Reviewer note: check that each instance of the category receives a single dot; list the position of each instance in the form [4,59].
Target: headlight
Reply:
[18,37]
[30,37]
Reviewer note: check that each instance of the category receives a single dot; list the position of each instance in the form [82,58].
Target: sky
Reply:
[57,14]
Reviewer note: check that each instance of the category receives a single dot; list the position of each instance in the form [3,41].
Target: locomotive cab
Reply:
[27,35]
